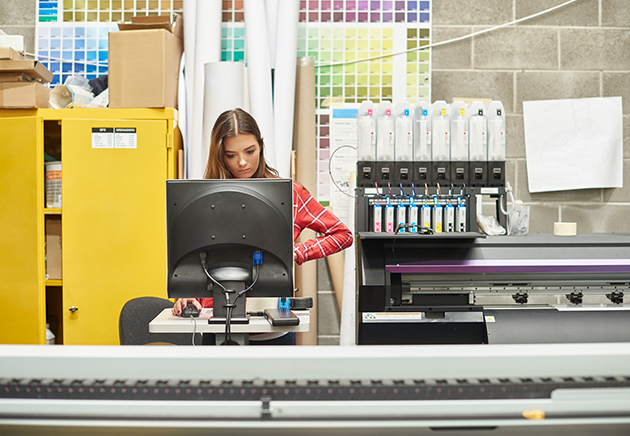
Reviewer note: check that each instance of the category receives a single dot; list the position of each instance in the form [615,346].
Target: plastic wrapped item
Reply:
[489,225]
[75,92]
[519,219]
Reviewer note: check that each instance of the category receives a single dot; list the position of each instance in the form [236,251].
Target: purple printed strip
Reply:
[512,266]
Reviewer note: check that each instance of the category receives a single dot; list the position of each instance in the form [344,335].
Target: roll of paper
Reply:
[259,74]
[306,175]
[207,49]
[347,332]
[223,90]
[186,100]
[284,83]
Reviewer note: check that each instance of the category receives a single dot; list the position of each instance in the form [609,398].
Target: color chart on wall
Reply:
[72,35]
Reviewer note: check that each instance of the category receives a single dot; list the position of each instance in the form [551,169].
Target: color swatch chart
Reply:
[72,35]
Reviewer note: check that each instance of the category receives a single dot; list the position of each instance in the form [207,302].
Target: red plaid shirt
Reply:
[309,214]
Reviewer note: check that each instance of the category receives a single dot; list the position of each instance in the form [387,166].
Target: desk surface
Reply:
[166,322]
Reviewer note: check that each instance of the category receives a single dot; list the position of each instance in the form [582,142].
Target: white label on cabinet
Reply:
[114,137]
[102,137]
[125,137]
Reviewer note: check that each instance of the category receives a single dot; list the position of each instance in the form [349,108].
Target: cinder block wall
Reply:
[17,17]
[581,50]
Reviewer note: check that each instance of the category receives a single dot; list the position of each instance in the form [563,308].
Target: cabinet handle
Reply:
[73,309]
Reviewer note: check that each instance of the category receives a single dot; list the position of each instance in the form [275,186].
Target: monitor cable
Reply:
[229,305]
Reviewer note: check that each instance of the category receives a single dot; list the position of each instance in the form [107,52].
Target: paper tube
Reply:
[347,332]
[182,122]
[284,84]
[259,73]
[335,266]
[207,49]
[223,90]
[185,101]
[306,155]
[273,18]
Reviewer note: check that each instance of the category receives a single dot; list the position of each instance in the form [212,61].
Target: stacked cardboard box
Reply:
[144,58]
[20,81]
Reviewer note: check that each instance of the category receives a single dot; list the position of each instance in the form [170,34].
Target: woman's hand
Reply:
[181,303]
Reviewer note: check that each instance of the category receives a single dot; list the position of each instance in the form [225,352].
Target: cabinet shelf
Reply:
[54,282]
[52,211]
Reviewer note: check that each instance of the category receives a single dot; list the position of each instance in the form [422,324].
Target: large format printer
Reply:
[455,288]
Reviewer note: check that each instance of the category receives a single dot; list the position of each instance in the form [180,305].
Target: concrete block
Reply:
[595,49]
[598,218]
[328,318]
[554,85]
[17,12]
[517,48]
[581,13]
[615,85]
[456,55]
[578,195]
[327,340]
[471,12]
[620,194]
[542,217]
[615,13]
[473,84]
[514,136]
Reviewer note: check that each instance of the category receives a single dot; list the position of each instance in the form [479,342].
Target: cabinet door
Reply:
[114,224]
[22,290]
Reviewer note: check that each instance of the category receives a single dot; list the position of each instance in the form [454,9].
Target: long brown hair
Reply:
[233,123]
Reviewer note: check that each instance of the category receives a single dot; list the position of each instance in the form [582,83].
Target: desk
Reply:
[166,322]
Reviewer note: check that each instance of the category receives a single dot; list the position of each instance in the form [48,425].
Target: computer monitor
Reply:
[223,226]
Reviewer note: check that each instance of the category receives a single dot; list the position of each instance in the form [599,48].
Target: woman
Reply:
[237,152]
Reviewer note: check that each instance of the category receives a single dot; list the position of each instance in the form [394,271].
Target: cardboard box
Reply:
[53,247]
[31,68]
[144,58]
[24,95]
[9,53]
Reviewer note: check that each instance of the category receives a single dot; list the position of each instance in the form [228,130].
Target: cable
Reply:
[230,308]
[194,329]
[330,171]
[449,41]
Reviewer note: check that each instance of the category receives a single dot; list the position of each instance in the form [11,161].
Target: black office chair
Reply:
[133,324]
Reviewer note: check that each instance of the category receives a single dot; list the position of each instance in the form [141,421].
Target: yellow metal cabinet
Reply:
[112,215]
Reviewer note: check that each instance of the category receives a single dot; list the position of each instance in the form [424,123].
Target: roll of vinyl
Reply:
[259,73]
[284,83]
[207,49]
[223,90]
[347,331]
[186,101]
[305,151]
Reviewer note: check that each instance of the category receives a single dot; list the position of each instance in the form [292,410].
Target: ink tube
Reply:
[413,217]
[401,217]
[389,218]
[449,218]
[378,217]
[437,217]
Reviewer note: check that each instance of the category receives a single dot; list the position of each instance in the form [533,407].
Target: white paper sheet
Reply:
[344,130]
[574,143]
